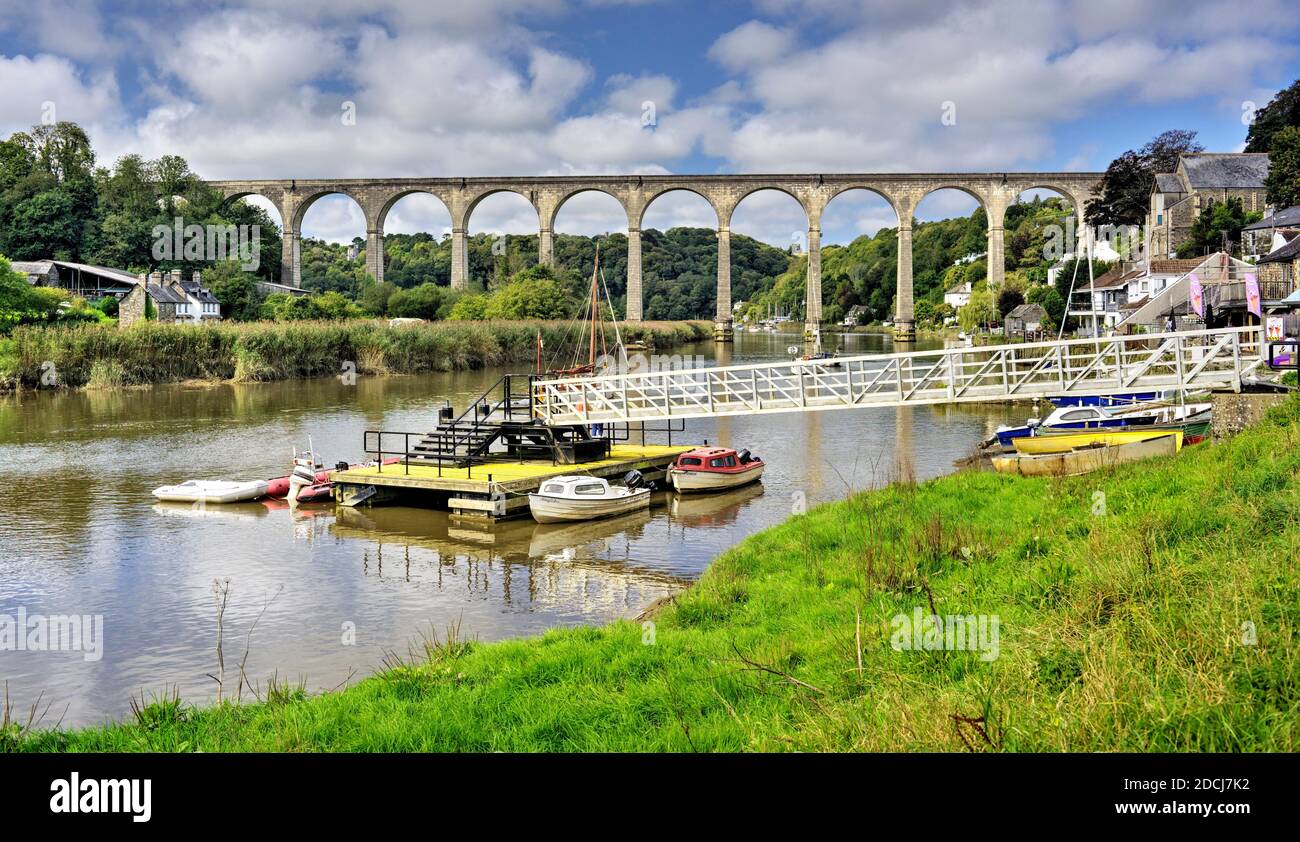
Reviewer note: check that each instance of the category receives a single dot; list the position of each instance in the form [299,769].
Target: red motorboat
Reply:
[714,469]
[278,488]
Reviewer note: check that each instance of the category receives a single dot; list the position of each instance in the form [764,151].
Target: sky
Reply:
[265,89]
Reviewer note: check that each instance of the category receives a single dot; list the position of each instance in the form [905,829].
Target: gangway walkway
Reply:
[1185,360]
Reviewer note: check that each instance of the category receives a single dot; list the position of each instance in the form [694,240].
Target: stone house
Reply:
[175,301]
[959,296]
[1178,197]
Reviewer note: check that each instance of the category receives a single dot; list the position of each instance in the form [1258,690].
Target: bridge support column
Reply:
[904,319]
[546,247]
[722,327]
[375,255]
[813,295]
[997,261]
[459,260]
[290,259]
[635,297]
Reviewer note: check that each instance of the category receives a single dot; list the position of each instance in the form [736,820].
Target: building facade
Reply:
[1201,178]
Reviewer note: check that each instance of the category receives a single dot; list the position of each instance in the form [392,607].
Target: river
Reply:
[319,596]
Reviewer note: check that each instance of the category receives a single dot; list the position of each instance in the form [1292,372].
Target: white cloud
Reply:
[30,83]
[751,45]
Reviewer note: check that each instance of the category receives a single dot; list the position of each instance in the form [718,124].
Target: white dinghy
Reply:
[211,491]
[573,498]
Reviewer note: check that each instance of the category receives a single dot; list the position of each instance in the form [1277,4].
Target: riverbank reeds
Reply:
[1149,607]
[107,356]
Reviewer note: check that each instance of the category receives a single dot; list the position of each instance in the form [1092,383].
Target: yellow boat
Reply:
[1065,442]
[1084,460]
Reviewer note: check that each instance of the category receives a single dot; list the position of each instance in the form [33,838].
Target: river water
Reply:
[319,596]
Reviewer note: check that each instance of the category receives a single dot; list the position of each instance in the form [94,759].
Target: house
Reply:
[855,316]
[1271,232]
[959,296]
[175,301]
[1025,319]
[1280,268]
[1178,197]
[1098,302]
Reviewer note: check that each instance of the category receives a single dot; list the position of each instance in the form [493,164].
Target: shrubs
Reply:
[149,352]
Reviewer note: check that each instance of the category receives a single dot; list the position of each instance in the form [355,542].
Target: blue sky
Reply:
[477,87]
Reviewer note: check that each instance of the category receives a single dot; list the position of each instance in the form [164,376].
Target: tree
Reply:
[236,290]
[1282,112]
[469,308]
[979,311]
[529,298]
[427,301]
[1008,300]
[1049,299]
[1217,221]
[1124,192]
[1283,181]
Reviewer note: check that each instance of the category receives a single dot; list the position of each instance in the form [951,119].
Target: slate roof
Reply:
[1281,219]
[1026,310]
[1217,170]
[1168,182]
[162,294]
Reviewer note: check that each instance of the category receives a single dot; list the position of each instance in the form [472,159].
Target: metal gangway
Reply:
[1187,360]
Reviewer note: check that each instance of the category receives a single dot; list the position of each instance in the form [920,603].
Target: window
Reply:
[553,488]
[723,462]
[591,490]
[1078,415]
[688,460]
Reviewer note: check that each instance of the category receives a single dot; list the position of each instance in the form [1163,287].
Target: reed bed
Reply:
[108,356]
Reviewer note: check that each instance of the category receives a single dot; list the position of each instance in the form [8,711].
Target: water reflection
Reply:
[79,532]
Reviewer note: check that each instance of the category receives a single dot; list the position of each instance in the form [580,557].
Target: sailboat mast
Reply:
[594,306]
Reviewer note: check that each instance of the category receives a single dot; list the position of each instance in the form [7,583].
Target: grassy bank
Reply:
[104,355]
[1121,598]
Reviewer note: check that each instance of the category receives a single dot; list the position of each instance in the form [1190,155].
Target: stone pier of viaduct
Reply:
[376,197]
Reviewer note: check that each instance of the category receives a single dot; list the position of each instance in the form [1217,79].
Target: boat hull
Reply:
[1084,460]
[548,509]
[691,481]
[1065,442]
[211,491]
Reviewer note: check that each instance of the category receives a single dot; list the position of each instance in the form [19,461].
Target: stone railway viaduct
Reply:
[994,191]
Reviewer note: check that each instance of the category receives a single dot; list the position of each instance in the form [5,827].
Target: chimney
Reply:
[155,278]
[198,278]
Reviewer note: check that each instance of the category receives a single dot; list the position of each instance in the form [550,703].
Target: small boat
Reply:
[1085,460]
[1064,442]
[573,498]
[825,357]
[714,469]
[211,491]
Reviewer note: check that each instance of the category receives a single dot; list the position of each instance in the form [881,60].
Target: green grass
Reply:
[1121,630]
[107,356]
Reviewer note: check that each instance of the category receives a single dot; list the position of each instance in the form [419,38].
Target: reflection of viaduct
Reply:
[994,191]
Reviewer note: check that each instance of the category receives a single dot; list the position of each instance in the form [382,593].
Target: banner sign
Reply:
[1196,296]
[1252,296]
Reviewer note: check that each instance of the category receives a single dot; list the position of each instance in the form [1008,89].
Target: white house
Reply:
[958,296]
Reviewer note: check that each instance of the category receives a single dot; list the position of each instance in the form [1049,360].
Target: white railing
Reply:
[1138,363]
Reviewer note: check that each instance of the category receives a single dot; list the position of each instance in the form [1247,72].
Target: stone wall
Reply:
[131,308]
[1234,412]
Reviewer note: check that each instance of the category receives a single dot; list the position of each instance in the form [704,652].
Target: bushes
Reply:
[149,352]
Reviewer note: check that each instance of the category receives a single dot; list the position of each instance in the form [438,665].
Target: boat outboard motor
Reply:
[446,413]
[341,466]
[634,479]
[743,457]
